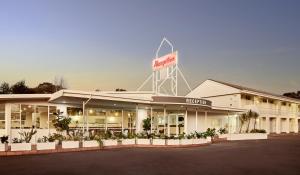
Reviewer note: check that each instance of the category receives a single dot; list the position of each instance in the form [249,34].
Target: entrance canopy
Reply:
[130,99]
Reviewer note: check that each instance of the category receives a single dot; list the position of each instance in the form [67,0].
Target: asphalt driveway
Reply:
[278,155]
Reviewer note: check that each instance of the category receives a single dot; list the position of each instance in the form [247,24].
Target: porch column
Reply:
[196,120]
[122,124]
[185,121]
[177,129]
[267,125]
[151,116]
[296,129]
[48,120]
[8,121]
[165,120]
[287,124]
[83,116]
[278,125]
[168,125]
[205,120]
[105,121]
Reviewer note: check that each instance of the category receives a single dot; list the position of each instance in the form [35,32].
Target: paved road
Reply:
[279,155]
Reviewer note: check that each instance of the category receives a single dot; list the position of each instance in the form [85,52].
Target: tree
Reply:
[62,123]
[147,125]
[60,83]
[120,90]
[45,88]
[4,88]
[21,88]
[254,115]
[243,119]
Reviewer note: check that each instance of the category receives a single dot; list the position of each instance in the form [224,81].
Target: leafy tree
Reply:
[62,123]
[147,124]
[45,88]
[21,88]
[243,119]
[120,90]
[4,88]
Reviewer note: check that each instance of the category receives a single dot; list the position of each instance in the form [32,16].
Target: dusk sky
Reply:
[110,44]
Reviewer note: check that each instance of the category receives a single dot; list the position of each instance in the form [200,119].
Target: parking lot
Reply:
[278,155]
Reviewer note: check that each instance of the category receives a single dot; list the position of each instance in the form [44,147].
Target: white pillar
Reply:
[177,129]
[48,120]
[168,125]
[122,124]
[205,121]
[287,124]
[8,121]
[141,115]
[185,121]
[196,120]
[105,121]
[296,127]
[278,121]
[83,116]
[165,120]
[267,125]
[151,122]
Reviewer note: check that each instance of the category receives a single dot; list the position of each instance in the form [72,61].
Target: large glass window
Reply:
[41,117]
[52,116]
[76,117]
[2,116]
[28,116]
[129,120]
[15,116]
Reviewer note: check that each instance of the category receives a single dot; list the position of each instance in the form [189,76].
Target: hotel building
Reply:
[213,104]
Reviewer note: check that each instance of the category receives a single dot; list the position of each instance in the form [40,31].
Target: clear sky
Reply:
[110,44]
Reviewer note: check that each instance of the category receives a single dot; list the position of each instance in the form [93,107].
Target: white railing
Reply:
[278,112]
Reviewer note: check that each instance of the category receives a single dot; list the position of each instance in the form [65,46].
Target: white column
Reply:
[165,120]
[267,125]
[205,121]
[185,121]
[278,121]
[177,129]
[8,121]
[151,122]
[287,124]
[196,120]
[136,118]
[168,125]
[87,121]
[105,121]
[83,116]
[48,120]
[296,127]
[122,124]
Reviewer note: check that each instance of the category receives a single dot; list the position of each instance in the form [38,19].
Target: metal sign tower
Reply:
[165,72]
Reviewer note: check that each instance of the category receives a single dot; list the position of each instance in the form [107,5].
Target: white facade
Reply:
[277,114]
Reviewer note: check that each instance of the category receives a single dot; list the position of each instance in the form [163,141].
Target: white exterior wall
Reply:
[141,115]
[210,88]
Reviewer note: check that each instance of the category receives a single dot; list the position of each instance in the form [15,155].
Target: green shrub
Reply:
[258,131]
[4,139]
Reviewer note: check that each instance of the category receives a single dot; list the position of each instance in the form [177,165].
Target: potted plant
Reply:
[109,139]
[172,140]
[45,143]
[4,143]
[93,140]
[128,140]
[23,144]
[73,140]
[159,140]
[186,139]
[142,139]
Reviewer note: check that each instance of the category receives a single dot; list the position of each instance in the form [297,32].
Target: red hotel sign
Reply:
[164,61]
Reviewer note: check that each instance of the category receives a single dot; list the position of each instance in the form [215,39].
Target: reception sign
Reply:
[164,61]
[181,100]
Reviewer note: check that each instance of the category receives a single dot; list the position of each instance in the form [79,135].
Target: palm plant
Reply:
[243,118]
